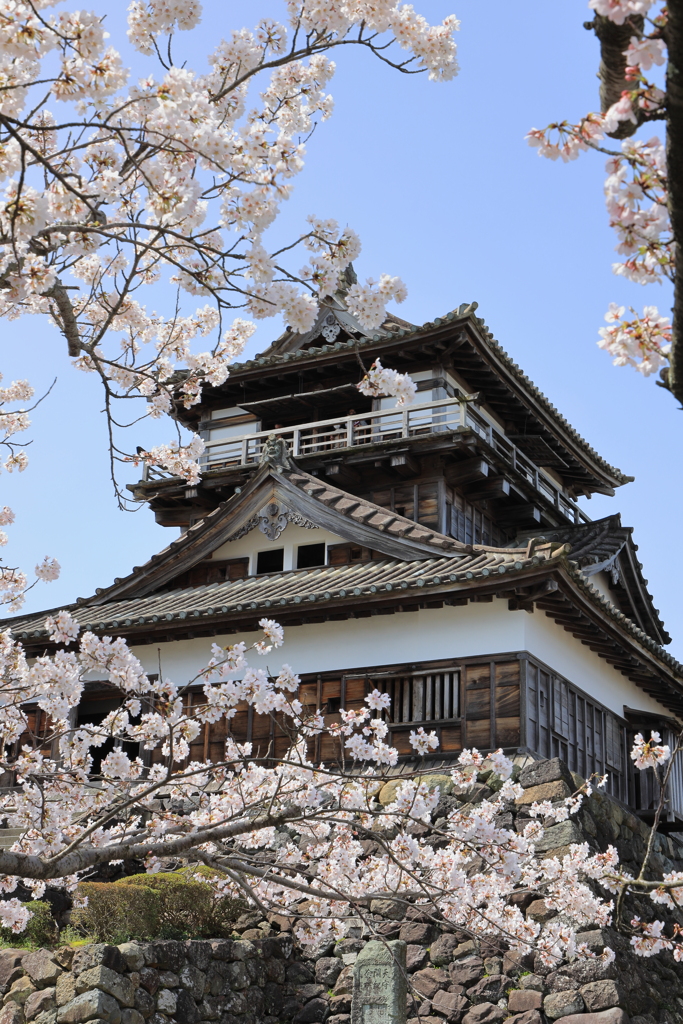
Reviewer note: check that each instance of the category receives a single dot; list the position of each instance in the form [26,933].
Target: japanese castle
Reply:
[436,552]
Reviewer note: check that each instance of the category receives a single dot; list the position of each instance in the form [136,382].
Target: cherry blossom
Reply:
[378,701]
[423,742]
[636,188]
[221,810]
[380,380]
[13,582]
[619,10]
[650,753]
[643,342]
[174,176]
[645,52]
[62,628]
[48,569]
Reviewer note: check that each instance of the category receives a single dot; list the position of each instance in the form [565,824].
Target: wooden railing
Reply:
[385,425]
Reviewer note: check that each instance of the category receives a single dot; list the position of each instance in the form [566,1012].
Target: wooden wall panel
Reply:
[401,740]
[451,738]
[399,499]
[354,693]
[507,732]
[404,503]
[428,505]
[383,497]
[507,673]
[329,748]
[507,703]
[477,693]
[479,734]
[308,695]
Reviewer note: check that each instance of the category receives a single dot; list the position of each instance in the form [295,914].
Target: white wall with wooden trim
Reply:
[473,630]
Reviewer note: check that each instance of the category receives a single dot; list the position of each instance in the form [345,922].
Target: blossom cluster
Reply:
[643,342]
[178,459]
[649,753]
[619,10]
[636,187]
[380,380]
[234,805]
[174,176]
[13,581]
[636,198]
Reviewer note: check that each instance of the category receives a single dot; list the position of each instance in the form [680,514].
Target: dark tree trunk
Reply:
[674,161]
[614,40]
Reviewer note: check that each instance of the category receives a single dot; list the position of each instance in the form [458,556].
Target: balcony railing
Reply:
[338,434]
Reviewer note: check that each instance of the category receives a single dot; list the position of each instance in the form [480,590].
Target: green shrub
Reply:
[189,908]
[116,913]
[41,929]
[167,905]
[226,908]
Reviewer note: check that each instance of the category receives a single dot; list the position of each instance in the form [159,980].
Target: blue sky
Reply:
[442,188]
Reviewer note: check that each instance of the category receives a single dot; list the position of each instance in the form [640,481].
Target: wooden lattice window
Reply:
[421,696]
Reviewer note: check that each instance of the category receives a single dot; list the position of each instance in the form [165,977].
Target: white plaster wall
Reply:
[289,539]
[431,634]
[583,667]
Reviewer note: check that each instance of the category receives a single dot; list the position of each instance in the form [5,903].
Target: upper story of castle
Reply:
[480,455]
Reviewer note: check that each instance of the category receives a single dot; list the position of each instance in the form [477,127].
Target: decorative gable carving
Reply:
[272,520]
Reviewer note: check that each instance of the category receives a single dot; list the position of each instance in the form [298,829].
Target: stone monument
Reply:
[379,984]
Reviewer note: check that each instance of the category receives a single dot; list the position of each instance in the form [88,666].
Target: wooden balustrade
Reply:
[384,425]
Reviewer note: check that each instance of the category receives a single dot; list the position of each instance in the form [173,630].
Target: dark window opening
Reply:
[472,526]
[309,555]
[270,561]
[333,705]
[400,510]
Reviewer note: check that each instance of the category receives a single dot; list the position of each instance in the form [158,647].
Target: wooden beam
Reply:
[519,514]
[468,470]
[494,487]
[527,596]
[341,474]
[404,464]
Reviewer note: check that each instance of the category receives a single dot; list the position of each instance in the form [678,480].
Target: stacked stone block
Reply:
[446,977]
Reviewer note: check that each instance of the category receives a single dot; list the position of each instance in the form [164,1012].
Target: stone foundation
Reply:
[261,978]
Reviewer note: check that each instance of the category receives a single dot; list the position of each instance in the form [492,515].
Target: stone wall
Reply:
[259,977]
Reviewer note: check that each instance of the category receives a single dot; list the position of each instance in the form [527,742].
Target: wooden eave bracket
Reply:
[526,596]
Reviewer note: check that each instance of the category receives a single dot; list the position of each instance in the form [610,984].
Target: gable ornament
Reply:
[273,519]
[250,525]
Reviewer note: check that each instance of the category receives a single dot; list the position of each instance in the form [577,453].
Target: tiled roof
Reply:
[314,588]
[598,544]
[462,312]
[270,591]
[308,591]
[386,532]
[369,514]
[592,543]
